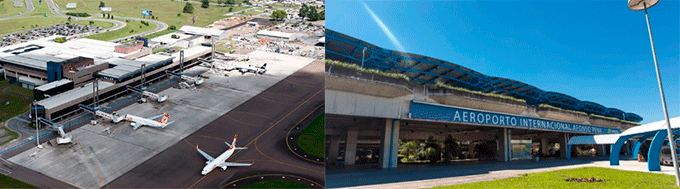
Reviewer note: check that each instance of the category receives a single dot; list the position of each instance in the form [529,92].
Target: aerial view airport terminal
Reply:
[172,111]
[378,99]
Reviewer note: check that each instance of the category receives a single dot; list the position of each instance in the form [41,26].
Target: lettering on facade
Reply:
[434,112]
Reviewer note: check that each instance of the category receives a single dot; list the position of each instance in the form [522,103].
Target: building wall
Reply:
[12,71]
[80,77]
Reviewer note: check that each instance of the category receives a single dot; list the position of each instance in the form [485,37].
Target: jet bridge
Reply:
[114,117]
[63,137]
[159,98]
[195,80]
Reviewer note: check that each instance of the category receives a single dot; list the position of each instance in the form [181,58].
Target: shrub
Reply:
[188,8]
[172,27]
[78,14]
[556,108]
[60,40]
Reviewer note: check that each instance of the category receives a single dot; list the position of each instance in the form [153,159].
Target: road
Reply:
[160,26]
[54,9]
[29,8]
[261,123]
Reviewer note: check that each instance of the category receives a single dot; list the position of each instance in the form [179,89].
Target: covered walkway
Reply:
[639,134]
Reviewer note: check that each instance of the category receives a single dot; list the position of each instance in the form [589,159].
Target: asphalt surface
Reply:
[261,123]
[29,176]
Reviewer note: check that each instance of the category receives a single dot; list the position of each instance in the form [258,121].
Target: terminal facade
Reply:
[368,115]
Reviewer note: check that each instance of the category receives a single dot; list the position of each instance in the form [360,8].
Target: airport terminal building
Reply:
[413,97]
[62,74]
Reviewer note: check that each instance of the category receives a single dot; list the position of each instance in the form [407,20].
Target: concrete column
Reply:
[351,146]
[389,144]
[503,145]
[601,150]
[333,149]
[563,146]
[544,146]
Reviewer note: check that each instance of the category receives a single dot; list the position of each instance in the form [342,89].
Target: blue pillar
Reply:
[655,150]
[569,151]
[616,149]
[639,142]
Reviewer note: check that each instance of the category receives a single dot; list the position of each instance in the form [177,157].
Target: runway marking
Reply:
[270,100]
[269,175]
[301,84]
[241,121]
[291,129]
[250,113]
[192,145]
[284,117]
[10,163]
[279,94]
[265,155]
[5,171]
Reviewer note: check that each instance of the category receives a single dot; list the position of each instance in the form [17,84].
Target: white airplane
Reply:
[220,161]
[245,69]
[152,122]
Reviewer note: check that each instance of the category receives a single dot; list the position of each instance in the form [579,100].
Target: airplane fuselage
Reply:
[138,121]
[217,161]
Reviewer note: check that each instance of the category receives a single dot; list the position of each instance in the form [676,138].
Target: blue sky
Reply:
[595,51]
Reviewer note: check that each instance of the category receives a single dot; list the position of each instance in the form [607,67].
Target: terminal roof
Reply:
[69,96]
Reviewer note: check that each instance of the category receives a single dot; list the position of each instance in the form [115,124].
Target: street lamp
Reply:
[37,124]
[363,53]
[638,5]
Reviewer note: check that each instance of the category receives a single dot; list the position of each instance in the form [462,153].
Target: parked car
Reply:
[665,157]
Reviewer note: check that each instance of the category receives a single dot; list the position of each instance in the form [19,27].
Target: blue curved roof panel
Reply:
[428,70]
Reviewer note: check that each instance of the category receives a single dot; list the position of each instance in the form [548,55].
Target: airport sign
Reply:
[431,111]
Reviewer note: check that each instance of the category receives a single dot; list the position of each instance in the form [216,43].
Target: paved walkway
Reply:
[444,175]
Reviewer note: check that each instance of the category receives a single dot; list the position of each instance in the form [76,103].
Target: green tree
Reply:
[450,148]
[172,27]
[205,4]
[91,22]
[69,19]
[219,2]
[431,150]
[322,15]
[231,9]
[304,11]
[279,15]
[188,8]
[312,14]
[231,2]
[101,4]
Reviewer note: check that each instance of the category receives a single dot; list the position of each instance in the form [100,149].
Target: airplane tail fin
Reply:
[233,144]
[264,66]
[165,118]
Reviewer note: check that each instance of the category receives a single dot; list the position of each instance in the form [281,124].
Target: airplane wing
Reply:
[229,164]
[210,158]
[155,117]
